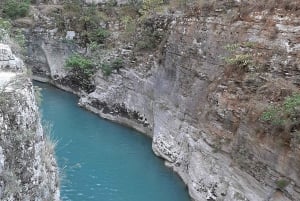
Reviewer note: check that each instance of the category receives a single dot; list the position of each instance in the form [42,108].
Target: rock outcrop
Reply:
[28,170]
[201,93]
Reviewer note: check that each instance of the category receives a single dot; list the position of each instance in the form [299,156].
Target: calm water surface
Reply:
[103,161]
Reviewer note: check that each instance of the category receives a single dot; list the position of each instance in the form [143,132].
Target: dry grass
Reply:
[269,5]
[50,9]
[24,22]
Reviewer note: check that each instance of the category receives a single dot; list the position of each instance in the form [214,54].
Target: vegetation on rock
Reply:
[15,8]
[79,62]
[286,113]
[6,30]
[85,20]
[281,183]
[241,55]
[81,71]
[107,68]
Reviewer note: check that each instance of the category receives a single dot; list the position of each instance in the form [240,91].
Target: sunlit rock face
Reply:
[28,169]
[8,61]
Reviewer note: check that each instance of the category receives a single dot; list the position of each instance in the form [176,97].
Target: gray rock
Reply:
[70,35]
[28,168]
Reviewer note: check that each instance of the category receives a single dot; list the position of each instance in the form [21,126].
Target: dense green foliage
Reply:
[79,62]
[98,35]
[16,8]
[81,71]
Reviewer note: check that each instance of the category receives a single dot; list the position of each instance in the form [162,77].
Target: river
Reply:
[101,160]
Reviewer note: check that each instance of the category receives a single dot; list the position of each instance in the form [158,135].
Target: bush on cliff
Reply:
[284,120]
[79,62]
[108,68]
[16,8]
[81,70]
[99,35]
[285,113]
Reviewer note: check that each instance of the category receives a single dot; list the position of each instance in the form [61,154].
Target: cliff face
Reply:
[203,114]
[28,169]
[200,95]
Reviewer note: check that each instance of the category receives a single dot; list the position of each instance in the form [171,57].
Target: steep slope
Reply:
[28,169]
[204,115]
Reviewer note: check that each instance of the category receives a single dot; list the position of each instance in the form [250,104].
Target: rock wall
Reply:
[200,95]
[198,113]
[190,106]
[28,170]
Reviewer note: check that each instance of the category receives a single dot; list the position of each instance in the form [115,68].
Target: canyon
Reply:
[199,89]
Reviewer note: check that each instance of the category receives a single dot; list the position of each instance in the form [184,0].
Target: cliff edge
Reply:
[28,170]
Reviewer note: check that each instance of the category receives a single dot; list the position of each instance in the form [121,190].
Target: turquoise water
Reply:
[103,161]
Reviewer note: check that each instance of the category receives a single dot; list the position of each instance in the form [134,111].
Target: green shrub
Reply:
[241,55]
[281,183]
[150,39]
[270,114]
[99,35]
[241,60]
[292,103]
[72,6]
[79,62]
[4,24]
[85,19]
[16,34]
[81,71]
[135,4]
[5,28]
[16,8]
[129,23]
[286,112]
[117,64]
[107,68]
[150,6]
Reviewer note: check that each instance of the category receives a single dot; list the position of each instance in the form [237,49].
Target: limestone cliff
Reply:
[28,170]
[200,94]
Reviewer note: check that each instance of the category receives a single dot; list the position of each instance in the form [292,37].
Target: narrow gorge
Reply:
[102,160]
[215,84]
